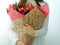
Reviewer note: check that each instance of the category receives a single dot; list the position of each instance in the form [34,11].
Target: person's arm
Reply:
[44,28]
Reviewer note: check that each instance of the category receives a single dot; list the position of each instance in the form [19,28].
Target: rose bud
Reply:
[31,7]
[19,9]
[27,8]
[23,7]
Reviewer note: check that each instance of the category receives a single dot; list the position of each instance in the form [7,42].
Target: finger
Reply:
[14,30]
[19,26]
[22,25]
[20,30]
[27,25]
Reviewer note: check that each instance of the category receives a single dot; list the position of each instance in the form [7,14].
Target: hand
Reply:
[25,28]
[19,43]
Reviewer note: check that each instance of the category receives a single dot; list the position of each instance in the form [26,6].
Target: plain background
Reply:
[53,35]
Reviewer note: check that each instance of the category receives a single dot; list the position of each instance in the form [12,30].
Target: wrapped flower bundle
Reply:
[25,12]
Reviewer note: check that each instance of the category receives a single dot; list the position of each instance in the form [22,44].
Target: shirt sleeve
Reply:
[12,35]
[44,28]
[42,31]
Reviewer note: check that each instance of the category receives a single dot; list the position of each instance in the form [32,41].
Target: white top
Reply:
[38,34]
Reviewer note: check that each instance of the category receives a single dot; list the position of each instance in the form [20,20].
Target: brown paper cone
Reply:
[35,19]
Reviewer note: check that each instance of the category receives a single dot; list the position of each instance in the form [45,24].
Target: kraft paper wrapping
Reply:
[34,18]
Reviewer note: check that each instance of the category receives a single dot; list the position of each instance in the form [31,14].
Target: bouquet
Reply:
[25,12]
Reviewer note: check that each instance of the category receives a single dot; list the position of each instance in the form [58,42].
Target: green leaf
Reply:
[16,4]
